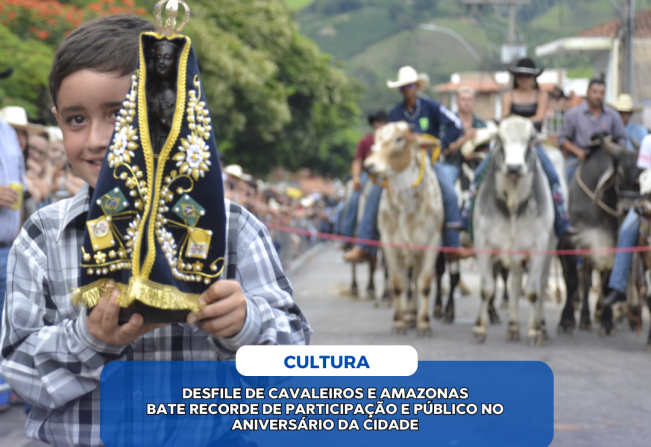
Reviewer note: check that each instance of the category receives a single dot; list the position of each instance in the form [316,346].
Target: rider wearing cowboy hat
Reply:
[424,116]
[634,132]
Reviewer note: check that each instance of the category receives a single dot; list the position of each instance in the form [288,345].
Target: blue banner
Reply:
[193,404]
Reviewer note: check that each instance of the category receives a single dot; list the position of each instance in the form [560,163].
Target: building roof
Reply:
[610,29]
[482,87]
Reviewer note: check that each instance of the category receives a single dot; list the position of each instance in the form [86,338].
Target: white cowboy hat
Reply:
[54,133]
[237,172]
[17,117]
[624,103]
[307,202]
[408,75]
[483,136]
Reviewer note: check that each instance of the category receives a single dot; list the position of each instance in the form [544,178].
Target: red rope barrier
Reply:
[416,247]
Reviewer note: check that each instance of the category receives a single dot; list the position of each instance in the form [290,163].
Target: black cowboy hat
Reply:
[6,73]
[526,67]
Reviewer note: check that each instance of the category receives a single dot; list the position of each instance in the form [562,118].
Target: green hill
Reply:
[371,39]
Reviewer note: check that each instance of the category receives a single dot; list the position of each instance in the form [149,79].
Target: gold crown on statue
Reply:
[172,9]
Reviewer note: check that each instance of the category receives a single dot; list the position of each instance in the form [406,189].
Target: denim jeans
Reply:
[4,256]
[571,165]
[350,215]
[447,175]
[628,235]
[368,225]
[561,218]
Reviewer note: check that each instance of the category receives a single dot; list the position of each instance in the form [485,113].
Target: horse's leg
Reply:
[454,280]
[370,288]
[505,280]
[547,262]
[410,310]
[423,286]
[492,312]
[513,329]
[538,267]
[586,275]
[648,340]
[386,296]
[354,292]
[569,263]
[440,270]
[634,293]
[398,284]
[607,323]
[480,328]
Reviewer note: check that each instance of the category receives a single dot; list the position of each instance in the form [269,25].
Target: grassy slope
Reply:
[575,17]
[427,51]
[297,4]
[355,31]
[436,54]
[372,48]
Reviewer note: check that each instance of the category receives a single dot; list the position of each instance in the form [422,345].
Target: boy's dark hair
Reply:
[598,81]
[380,115]
[109,44]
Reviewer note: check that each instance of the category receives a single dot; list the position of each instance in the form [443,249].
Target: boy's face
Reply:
[88,106]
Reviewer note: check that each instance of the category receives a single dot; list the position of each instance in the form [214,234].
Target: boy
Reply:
[53,353]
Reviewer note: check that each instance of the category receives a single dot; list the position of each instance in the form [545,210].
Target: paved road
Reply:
[602,391]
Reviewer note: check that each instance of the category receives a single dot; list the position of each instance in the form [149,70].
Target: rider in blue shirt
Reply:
[428,117]
[635,133]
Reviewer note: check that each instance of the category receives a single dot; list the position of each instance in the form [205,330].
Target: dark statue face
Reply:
[164,60]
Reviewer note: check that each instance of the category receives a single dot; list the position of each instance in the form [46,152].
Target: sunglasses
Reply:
[407,86]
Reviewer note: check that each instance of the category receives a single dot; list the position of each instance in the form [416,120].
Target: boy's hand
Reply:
[103,321]
[225,309]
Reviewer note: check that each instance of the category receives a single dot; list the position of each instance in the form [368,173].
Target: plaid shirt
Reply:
[49,356]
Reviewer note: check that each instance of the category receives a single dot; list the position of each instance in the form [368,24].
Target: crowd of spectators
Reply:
[282,205]
[49,178]
[48,175]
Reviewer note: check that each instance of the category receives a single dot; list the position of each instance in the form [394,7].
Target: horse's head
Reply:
[515,141]
[622,173]
[392,151]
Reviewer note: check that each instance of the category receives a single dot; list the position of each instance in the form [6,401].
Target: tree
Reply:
[30,32]
[31,61]
[275,99]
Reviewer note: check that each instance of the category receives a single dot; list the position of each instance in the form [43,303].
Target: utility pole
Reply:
[626,11]
[512,50]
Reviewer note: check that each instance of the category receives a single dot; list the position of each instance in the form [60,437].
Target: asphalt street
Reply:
[602,389]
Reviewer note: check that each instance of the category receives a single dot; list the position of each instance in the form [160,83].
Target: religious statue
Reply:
[161,91]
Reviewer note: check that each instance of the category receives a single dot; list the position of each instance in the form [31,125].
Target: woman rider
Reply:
[526,100]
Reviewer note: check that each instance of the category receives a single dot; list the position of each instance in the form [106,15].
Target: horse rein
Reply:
[417,182]
[593,197]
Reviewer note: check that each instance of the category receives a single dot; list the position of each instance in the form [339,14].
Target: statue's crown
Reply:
[169,28]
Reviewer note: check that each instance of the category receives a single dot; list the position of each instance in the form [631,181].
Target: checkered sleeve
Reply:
[45,358]
[272,316]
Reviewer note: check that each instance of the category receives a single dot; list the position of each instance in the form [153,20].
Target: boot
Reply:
[614,296]
[357,254]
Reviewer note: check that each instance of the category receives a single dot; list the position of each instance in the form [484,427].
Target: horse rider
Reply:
[628,237]
[527,100]
[424,116]
[360,177]
[583,121]
[634,132]
[470,122]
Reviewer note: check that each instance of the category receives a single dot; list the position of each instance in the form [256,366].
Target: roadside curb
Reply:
[297,263]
